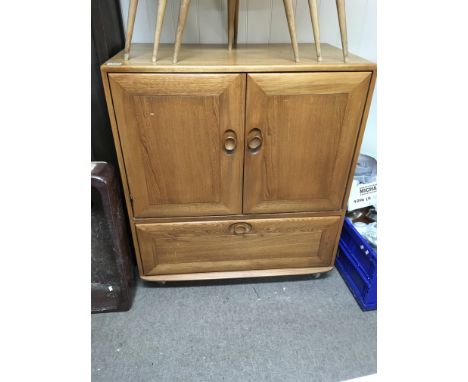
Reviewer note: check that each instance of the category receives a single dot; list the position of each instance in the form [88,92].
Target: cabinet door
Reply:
[182,141]
[301,132]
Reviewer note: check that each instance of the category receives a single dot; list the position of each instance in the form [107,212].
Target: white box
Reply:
[362,195]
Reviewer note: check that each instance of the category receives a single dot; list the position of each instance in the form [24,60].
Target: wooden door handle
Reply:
[254,140]
[240,228]
[230,141]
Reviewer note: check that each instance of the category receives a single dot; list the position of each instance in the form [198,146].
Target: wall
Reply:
[262,21]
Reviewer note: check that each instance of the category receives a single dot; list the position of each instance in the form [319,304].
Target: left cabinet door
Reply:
[182,139]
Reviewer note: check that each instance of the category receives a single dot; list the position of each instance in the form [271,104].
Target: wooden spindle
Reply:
[159,24]
[183,12]
[340,6]
[288,7]
[236,22]
[233,12]
[132,8]
[315,27]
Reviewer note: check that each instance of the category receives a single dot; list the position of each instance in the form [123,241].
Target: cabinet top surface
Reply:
[244,58]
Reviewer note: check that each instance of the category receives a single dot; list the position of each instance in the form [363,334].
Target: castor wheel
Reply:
[316,275]
[161,282]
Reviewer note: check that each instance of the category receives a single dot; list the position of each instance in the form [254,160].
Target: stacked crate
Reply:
[356,261]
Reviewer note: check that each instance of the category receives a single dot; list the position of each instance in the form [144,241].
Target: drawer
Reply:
[237,245]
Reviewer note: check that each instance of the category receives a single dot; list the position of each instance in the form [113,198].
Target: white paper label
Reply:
[362,195]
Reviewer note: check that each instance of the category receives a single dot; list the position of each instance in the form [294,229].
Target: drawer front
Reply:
[237,245]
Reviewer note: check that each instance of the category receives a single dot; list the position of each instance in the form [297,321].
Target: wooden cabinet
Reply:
[236,167]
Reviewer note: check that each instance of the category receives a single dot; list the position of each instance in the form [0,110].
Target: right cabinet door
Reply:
[301,133]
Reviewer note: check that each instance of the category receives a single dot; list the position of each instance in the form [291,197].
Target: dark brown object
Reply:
[364,215]
[112,277]
[107,38]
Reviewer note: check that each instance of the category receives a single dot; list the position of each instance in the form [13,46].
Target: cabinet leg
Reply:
[159,24]
[288,7]
[340,7]
[132,8]
[183,12]
[315,27]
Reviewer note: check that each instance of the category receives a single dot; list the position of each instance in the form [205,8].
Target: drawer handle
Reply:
[240,228]
[254,140]
[230,141]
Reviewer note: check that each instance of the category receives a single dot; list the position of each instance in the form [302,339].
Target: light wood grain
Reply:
[315,27]
[172,131]
[309,123]
[341,9]
[132,9]
[172,248]
[288,8]
[357,148]
[238,274]
[244,217]
[245,58]
[159,24]
[121,162]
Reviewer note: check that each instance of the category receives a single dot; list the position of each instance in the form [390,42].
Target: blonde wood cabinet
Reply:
[236,164]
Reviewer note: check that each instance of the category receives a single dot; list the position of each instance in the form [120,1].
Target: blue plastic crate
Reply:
[356,261]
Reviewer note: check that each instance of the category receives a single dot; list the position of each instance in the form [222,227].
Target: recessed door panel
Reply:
[301,131]
[182,140]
